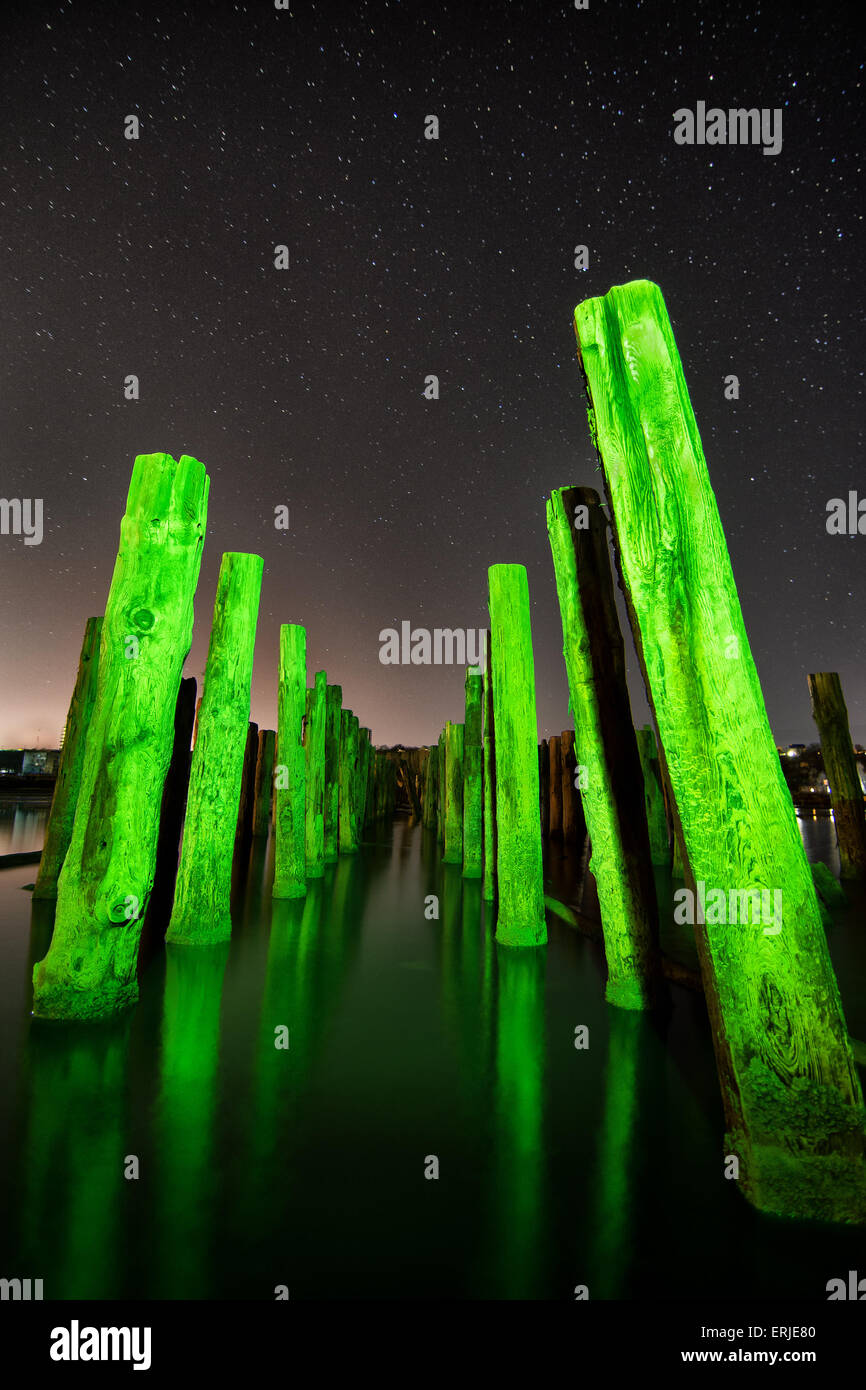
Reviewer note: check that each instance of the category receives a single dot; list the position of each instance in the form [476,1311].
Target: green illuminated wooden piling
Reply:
[520,917]
[264,782]
[107,874]
[831,715]
[362,782]
[333,708]
[473,777]
[792,1097]
[348,771]
[290,772]
[202,912]
[488,886]
[58,831]
[314,748]
[613,801]
[453,794]
[440,808]
[654,800]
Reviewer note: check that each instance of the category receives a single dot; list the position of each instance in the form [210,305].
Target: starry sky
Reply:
[409,257]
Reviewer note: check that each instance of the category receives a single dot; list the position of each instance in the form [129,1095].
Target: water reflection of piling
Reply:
[184,1124]
[74,1190]
[518,1178]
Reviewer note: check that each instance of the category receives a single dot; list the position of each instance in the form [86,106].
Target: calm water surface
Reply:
[408,1038]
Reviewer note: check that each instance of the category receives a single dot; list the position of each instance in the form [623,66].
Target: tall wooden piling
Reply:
[654,800]
[246,805]
[453,794]
[431,789]
[554,750]
[348,773]
[613,796]
[442,780]
[333,713]
[314,749]
[520,916]
[488,886]
[792,1097]
[58,831]
[290,773]
[202,912]
[107,873]
[264,782]
[544,786]
[365,738]
[473,768]
[174,794]
[573,821]
[831,715]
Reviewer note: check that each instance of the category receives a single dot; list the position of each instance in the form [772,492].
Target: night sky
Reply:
[409,256]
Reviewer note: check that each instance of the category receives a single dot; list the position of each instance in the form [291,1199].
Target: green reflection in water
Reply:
[518,1181]
[184,1122]
[612,1243]
[73,1158]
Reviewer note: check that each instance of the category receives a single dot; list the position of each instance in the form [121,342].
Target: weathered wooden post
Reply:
[613,801]
[333,712]
[431,789]
[520,917]
[453,794]
[544,786]
[573,820]
[174,794]
[440,808]
[195,722]
[348,773]
[488,886]
[58,831]
[473,766]
[314,746]
[365,743]
[555,781]
[246,805]
[654,800]
[408,778]
[789,1084]
[202,911]
[290,774]
[107,874]
[264,782]
[831,715]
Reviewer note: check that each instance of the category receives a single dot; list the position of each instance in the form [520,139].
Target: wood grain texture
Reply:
[520,917]
[202,899]
[314,750]
[349,838]
[453,794]
[333,722]
[606,747]
[792,1097]
[61,817]
[654,799]
[290,776]
[264,782]
[473,776]
[830,713]
[107,874]
[488,886]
